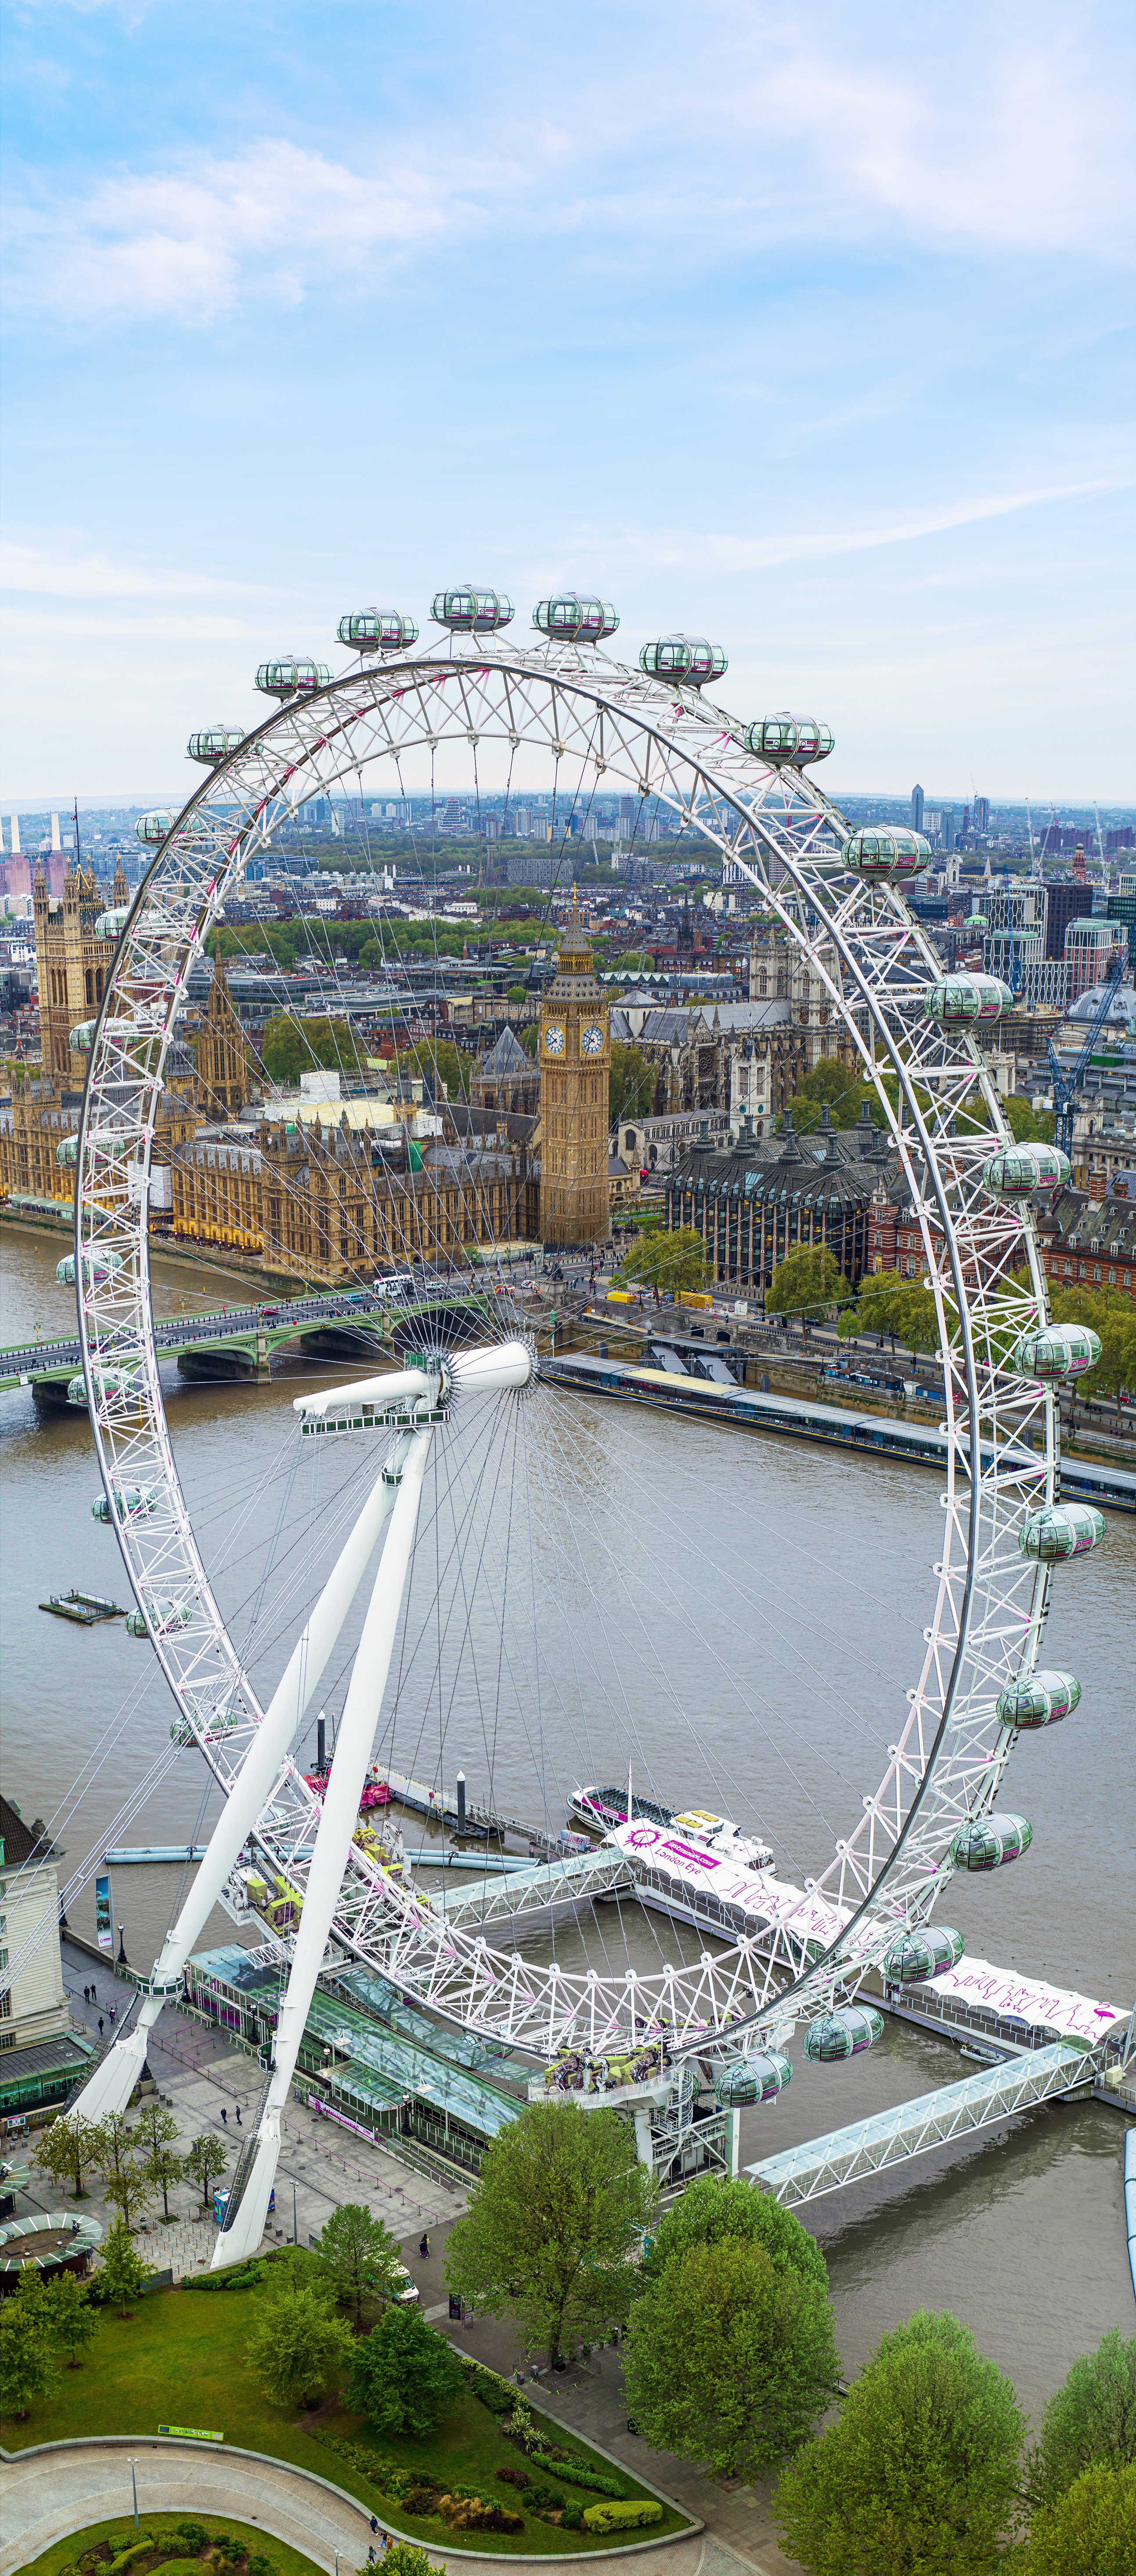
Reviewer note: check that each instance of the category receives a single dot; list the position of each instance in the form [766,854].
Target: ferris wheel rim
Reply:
[636,701]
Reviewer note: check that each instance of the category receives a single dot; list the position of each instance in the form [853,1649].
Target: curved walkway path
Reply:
[62,2487]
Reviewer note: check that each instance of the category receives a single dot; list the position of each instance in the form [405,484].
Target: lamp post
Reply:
[295,2237]
[134,2484]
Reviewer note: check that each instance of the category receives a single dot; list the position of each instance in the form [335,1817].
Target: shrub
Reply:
[514,2477]
[498,2394]
[405,2560]
[472,2513]
[243,2276]
[621,2517]
[579,2472]
[376,2466]
[572,2518]
[418,2496]
[193,2536]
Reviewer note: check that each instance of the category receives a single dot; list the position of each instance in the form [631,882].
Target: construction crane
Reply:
[1100,835]
[1067,1079]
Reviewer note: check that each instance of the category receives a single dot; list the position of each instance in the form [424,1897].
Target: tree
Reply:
[112,2145]
[291,1047]
[72,2322]
[922,2469]
[1028,1126]
[358,2253]
[66,2150]
[1090,2423]
[28,2364]
[164,2168]
[296,2347]
[676,1260]
[552,2224]
[131,2191]
[1092,2527]
[631,1085]
[712,2209]
[405,2560]
[122,2269]
[206,2161]
[900,1308]
[730,2361]
[807,1281]
[404,2377]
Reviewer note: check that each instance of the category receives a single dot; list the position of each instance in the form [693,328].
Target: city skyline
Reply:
[816,347]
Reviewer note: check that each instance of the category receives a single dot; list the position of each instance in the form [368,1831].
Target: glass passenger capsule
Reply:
[962,999]
[110,925]
[108,1381]
[1039,1699]
[152,828]
[159,1619]
[96,1266]
[467,611]
[689,658]
[887,854]
[130,1503]
[1058,1351]
[214,745]
[82,1039]
[988,1842]
[571,619]
[1022,1169]
[784,737]
[929,1952]
[1062,1529]
[67,1152]
[378,630]
[293,676]
[843,2034]
[752,2079]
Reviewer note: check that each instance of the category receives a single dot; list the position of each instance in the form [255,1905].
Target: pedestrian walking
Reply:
[238,2115]
[424,2247]
[224,2116]
[100,2025]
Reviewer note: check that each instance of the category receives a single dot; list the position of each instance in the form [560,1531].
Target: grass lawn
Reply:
[60,2560]
[179,2359]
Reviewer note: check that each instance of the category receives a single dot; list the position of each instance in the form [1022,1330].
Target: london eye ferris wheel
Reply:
[465,1438]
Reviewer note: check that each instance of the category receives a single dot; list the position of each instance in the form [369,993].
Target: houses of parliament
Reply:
[323,1187]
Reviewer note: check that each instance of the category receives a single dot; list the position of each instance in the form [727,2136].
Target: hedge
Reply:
[620,2517]
[579,2473]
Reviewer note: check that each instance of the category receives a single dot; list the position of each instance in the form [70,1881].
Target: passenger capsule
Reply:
[988,1842]
[110,925]
[152,828]
[929,1952]
[752,2079]
[571,619]
[159,1619]
[1062,1529]
[293,676]
[82,1039]
[108,1381]
[97,1266]
[1058,1351]
[130,1503]
[960,1000]
[687,658]
[214,745]
[787,739]
[467,611]
[1022,1169]
[67,1152]
[378,630]
[843,2034]
[1039,1699]
[887,855]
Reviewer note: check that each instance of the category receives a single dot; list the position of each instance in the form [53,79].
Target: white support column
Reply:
[113,2081]
[333,1843]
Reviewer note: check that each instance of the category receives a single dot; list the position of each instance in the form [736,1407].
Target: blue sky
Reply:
[807,329]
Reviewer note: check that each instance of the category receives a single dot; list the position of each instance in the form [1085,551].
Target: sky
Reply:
[809,330]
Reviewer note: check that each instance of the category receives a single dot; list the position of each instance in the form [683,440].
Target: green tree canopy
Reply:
[1089,2531]
[730,2361]
[205,2162]
[903,1309]
[667,1260]
[357,2253]
[29,2366]
[631,1085]
[404,2377]
[920,2473]
[1112,1317]
[552,2224]
[1027,1125]
[65,2150]
[72,2322]
[807,1282]
[297,2347]
[132,2192]
[122,2270]
[1091,2422]
[712,2209]
[293,1046]
[830,1083]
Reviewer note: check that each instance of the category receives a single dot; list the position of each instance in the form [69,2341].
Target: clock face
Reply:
[554,1041]
[592,1041]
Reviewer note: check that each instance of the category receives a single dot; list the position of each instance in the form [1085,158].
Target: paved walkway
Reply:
[63,2489]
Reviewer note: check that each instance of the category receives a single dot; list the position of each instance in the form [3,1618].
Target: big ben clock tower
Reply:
[575,1062]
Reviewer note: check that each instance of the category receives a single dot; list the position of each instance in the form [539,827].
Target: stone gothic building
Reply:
[73,964]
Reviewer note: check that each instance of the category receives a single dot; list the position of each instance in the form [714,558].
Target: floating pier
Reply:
[85,1608]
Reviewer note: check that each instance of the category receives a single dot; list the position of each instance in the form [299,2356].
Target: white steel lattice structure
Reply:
[588,714]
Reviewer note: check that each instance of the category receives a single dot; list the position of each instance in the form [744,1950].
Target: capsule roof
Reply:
[469,611]
[960,999]
[214,744]
[690,659]
[789,739]
[843,2034]
[1039,1699]
[988,1842]
[152,828]
[1059,1351]
[110,925]
[887,853]
[929,1952]
[378,630]
[1061,1530]
[753,2079]
[293,676]
[1022,1169]
[571,618]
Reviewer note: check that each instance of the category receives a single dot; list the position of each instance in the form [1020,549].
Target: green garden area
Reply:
[167,2544]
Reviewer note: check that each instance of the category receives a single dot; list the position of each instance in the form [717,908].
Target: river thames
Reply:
[739,1618]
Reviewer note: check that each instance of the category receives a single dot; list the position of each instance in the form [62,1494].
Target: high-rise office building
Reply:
[1066,902]
[982,813]
[916,809]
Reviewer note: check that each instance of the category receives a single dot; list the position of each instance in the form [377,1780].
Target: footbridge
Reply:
[916,2128]
[528,1898]
[238,1341]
